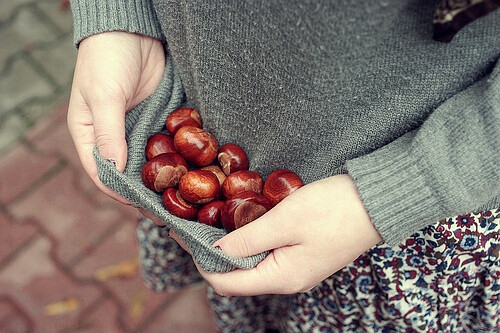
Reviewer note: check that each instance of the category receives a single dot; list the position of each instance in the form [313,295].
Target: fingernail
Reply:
[112,161]
[218,248]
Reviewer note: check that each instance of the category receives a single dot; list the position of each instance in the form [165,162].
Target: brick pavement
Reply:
[58,233]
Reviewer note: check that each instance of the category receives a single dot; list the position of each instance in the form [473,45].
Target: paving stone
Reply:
[20,168]
[6,311]
[52,119]
[15,323]
[103,318]
[120,246]
[36,281]
[23,31]
[13,236]
[7,7]
[38,110]
[59,60]
[52,137]
[188,313]
[12,128]
[60,16]
[70,217]
[12,316]
[22,83]
[129,289]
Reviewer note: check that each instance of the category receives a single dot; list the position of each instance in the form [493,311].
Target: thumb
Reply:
[109,131]
[263,234]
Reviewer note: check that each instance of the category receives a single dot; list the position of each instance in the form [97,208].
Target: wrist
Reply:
[355,210]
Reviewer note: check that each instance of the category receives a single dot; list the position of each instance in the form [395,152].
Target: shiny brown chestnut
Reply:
[159,143]
[199,186]
[279,184]
[209,213]
[242,209]
[176,205]
[243,180]
[182,117]
[163,171]
[232,158]
[196,145]
[216,171]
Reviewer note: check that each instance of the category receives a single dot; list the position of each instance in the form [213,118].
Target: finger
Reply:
[272,230]
[176,238]
[79,121]
[108,118]
[152,217]
[273,275]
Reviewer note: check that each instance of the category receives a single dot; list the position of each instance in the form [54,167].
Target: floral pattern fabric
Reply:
[444,278]
[165,266]
[452,15]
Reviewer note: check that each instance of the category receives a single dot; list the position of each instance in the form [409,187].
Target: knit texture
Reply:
[140,123]
[421,181]
[323,88]
[95,16]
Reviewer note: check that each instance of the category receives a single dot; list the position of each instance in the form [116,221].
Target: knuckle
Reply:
[104,140]
[101,93]
[243,246]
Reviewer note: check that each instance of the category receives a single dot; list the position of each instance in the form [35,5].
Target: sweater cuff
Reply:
[91,17]
[392,185]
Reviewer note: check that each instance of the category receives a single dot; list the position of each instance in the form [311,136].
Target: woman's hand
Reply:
[114,72]
[312,233]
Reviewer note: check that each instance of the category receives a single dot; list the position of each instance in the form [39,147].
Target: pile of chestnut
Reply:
[200,181]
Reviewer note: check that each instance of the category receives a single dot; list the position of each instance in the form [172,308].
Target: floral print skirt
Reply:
[444,278]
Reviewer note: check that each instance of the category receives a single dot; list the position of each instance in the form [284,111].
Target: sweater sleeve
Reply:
[91,17]
[446,167]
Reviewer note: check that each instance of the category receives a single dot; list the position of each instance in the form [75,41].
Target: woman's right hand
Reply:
[114,72]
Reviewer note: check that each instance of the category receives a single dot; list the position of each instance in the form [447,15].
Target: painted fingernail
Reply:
[218,248]
[112,161]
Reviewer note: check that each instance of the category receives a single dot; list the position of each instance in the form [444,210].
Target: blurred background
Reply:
[68,254]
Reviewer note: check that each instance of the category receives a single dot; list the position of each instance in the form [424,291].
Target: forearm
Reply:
[446,167]
[91,17]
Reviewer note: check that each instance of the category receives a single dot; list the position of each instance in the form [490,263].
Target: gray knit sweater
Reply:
[326,87]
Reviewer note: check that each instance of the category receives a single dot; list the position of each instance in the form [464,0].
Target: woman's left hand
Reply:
[312,233]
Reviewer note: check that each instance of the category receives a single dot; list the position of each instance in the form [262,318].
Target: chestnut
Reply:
[279,184]
[243,180]
[216,171]
[182,117]
[232,158]
[196,145]
[177,206]
[210,213]
[163,171]
[243,208]
[159,143]
[199,186]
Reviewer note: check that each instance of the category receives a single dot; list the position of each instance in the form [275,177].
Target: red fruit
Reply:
[199,186]
[197,146]
[163,171]
[232,158]
[279,184]
[177,206]
[159,143]
[210,213]
[240,181]
[182,117]
[242,209]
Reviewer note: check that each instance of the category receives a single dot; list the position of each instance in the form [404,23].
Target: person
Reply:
[395,134]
